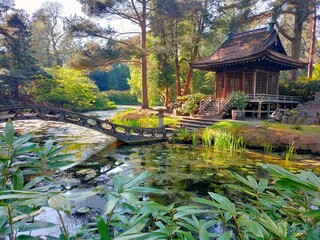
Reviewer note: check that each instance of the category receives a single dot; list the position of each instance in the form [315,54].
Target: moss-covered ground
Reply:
[258,134]
[275,135]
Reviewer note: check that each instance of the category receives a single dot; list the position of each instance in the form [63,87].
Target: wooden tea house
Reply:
[250,62]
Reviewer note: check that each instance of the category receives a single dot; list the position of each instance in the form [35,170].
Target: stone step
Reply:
[210,115]
[200,120]
[193,126]
[196,122]
[199,124]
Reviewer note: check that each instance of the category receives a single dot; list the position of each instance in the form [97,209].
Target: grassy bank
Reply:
[268,136]
[141,118]
[274,135]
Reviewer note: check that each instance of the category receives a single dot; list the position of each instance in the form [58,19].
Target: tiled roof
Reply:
[254,45]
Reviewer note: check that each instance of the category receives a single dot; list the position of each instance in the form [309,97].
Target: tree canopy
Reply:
[171,34]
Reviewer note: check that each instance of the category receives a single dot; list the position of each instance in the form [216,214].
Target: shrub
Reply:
[102,102]
[303,87]
[190,103]
[238,100]
[122,97]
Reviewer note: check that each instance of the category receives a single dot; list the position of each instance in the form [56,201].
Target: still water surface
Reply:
[183,171]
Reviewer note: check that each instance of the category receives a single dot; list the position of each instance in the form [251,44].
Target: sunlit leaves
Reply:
[60,203]
[71,89]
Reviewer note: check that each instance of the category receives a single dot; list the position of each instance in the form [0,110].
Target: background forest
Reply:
[82,63]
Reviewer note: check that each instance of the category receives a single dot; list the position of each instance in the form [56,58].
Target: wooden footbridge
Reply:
[129,135]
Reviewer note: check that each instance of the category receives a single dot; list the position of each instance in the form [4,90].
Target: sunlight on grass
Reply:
[229,125]
[138,118]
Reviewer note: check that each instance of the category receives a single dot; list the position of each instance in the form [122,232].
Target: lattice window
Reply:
[261,83]
[234,80]
[272,84]
[249,82]
[220,85]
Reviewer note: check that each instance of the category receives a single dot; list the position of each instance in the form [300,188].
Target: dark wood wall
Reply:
[254,81]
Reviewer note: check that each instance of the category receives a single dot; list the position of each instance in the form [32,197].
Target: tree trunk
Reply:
[178,72]
[311,53]
[200,29]
[296,43]
[49,60]
[190,71]
[144,56]
[188,81]
[166,101]
[56,54]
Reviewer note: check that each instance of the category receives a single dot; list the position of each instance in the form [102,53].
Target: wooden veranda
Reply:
[251,62]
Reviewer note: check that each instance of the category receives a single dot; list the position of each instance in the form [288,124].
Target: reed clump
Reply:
[291,153]
[207,137]
[223,141]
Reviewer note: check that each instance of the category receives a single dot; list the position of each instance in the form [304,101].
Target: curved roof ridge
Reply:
[244,34]
[253,44]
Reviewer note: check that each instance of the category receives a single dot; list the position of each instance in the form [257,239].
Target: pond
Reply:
[183,171]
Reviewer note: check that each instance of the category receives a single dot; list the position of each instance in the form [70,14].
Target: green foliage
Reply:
[190,103]
[284,208]
[202,82]
[122,97]
[227,141]
[296,127]
[102,102]
[154,93]
[268,149]
[136,118]
[303,87]
[115,79]
[127,122]
[207,137]
[238,100]
[279,211]
[69,88]
[17,66]
[223,140]
[22,195]
[316,71]
[183,135]
[290,154]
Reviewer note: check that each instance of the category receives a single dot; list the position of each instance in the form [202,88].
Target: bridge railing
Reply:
[139,131]
[121,132]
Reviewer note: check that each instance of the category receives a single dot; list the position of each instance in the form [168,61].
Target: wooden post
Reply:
[254,83]
[259,109]
[267,89]
[243,83]
[277,83]
[269,109]
[216,86]
[224,84]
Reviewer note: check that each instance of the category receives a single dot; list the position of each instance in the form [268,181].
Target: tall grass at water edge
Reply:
[223,140]
[290,154]
[207,137]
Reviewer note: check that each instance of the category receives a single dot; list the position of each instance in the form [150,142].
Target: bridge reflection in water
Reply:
[126,134]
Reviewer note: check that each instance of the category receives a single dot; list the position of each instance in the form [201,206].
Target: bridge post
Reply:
[161,117]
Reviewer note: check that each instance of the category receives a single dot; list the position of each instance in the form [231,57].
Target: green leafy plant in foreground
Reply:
[285,208]
[23,195]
